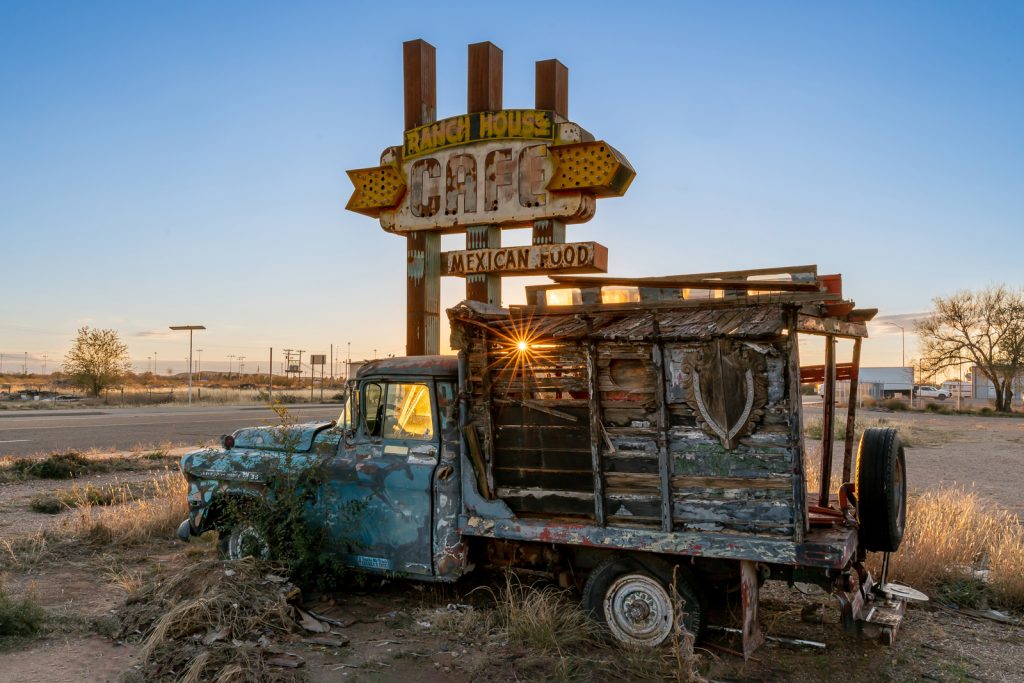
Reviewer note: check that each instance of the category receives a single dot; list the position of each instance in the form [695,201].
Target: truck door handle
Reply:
[444,471]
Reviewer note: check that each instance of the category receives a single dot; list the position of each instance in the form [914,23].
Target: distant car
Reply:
[925,391]
[64,398]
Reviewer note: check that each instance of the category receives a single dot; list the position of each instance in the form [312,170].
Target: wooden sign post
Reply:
[479,173]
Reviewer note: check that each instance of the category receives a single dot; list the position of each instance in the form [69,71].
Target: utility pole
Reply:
[241,364]
[44,363]
[270,381]
[231,357]
[199,379]
[191,329]
[24,365]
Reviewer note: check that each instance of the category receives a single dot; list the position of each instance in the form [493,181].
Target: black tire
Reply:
[644,582]
[881,490]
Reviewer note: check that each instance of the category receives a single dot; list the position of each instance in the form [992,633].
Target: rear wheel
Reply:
[881,490]
[634,598]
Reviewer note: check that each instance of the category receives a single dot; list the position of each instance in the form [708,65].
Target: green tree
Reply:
[97,359]
[985,328]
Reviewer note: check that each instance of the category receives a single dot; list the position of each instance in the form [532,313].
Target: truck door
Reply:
[381,483]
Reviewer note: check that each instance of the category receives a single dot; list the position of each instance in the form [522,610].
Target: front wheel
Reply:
[635,598]
[243,539]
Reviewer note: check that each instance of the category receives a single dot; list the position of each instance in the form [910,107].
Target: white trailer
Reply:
[888,382]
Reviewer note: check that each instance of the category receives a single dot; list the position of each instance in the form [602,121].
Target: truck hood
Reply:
[294,438]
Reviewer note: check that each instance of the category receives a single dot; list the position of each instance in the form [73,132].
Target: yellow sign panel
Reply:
[507,124]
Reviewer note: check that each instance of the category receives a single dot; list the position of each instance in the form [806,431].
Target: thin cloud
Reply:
[881,326]
[153,333]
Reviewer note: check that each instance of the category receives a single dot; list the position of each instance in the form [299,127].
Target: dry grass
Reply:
[136,519]
[568,645]
[963,546]
[235,608]
[90,527]
[541,617]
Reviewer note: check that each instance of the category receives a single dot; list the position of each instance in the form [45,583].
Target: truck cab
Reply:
[392,454]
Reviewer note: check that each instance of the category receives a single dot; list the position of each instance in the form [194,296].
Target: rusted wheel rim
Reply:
[247,541]
[638,610]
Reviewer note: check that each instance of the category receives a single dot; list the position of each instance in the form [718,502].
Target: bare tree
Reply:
[985,328]
[97,359]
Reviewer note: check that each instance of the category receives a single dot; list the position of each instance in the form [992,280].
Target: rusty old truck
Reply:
[641,440]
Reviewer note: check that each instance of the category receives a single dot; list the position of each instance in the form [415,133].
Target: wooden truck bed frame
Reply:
[662,415]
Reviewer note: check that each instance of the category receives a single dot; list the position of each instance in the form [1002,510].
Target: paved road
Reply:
[26,433]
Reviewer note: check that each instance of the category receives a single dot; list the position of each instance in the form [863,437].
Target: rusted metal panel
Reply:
[832,549]
[475,262]
[515,194]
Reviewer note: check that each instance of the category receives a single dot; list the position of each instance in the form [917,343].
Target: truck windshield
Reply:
[408,413]
[397,411]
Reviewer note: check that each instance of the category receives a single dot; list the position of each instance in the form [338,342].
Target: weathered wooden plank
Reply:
[801,524]
[626,481]
[566,480]
[596,436]
[664,459]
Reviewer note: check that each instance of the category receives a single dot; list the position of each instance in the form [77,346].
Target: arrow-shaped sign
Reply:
[376,189]
[593,167]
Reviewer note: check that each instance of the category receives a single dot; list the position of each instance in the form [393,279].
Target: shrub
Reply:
[22,617]
[67,465]
[894,404]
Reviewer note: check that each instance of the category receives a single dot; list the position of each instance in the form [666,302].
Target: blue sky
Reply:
[170,163]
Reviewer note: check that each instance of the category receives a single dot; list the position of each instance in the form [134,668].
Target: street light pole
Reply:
[190,329]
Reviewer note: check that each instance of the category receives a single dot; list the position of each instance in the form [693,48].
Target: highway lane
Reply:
[27,433]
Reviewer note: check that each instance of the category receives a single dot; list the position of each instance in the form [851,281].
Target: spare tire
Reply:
[881,490]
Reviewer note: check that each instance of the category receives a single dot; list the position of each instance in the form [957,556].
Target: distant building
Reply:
[984,389]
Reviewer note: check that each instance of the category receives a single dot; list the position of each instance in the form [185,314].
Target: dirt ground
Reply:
[395,630]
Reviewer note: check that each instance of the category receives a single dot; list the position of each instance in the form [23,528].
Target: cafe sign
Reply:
[507,168]
[482,172]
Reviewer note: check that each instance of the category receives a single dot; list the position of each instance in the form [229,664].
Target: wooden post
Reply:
[419,69]
[851,413]
[484,287]
[796,425]
[596,436]
[551,90]
[423,249]
[423,294]
[484,94]
[485,78]
[828,414]
[664,459]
